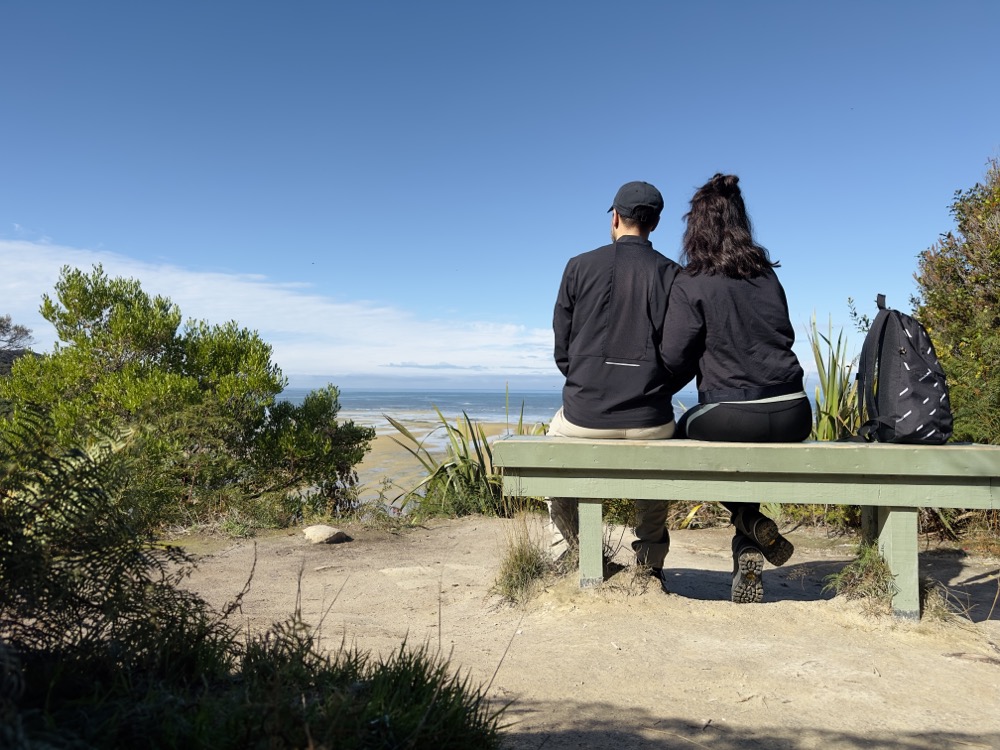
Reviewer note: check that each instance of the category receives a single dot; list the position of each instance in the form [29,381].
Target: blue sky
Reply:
[388,191]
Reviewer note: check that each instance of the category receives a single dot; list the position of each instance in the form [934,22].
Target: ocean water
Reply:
[415,408]
[370,407]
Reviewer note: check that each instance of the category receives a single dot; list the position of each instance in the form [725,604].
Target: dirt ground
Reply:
[636,665]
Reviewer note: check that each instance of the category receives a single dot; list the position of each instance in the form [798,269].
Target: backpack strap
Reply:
[867,364]
[868,432]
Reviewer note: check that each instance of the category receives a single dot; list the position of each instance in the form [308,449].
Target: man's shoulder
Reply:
[663,264]
[602,250]
[642,248]
[597,256]
[600,263]
[645,247]
[668,261]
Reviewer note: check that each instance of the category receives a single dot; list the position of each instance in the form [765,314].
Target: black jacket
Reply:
[608,325]
[738,334]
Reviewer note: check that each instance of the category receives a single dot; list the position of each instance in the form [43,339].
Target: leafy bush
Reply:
[101,648]
[958,301]
[14,342]
[303,447]
[209,440]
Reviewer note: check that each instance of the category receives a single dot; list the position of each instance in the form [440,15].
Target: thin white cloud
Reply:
[311,334]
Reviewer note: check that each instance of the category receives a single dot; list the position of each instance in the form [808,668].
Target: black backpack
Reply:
[902,392]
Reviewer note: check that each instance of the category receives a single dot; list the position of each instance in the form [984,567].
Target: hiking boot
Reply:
[748,569]
[764,532]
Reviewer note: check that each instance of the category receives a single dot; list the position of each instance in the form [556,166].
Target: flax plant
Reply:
[837,393]
[465,481]
[835,417]
[461,483]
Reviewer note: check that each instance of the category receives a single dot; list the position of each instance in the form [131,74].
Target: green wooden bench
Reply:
[890,482]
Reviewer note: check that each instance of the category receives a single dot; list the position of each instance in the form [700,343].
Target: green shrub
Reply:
[620,512]
[209,440]
[102,648]
[958,301]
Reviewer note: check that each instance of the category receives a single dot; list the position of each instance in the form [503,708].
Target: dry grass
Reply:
[866,578]
[635,580]
[524,562]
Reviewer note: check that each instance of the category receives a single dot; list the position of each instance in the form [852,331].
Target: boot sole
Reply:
[748,584]
[775,547]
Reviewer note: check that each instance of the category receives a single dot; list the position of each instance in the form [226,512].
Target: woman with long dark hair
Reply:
[727,323]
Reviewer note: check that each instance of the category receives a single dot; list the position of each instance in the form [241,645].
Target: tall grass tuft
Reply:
[524,563]
[521,427]
[867,578]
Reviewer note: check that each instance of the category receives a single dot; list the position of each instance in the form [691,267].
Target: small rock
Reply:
[322,534]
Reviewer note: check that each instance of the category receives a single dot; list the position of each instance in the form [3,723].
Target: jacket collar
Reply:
[634,239]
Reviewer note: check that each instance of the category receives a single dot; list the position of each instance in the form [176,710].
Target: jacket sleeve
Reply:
[562,319]
[658,303]
[683,339]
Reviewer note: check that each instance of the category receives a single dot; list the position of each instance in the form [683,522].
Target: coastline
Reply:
[389,470]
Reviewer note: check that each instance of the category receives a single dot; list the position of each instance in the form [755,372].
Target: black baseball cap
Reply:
[639,201]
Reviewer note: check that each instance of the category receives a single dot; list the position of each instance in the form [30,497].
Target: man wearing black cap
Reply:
[608,324]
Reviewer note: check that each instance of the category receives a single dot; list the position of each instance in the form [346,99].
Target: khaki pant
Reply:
[652,541]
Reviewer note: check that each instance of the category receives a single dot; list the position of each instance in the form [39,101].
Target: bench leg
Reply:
[897,539]
[869,524]
[591,544]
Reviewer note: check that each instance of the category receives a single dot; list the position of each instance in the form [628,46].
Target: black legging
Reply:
[771,422]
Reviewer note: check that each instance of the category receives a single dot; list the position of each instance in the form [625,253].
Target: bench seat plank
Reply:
[950,476]
[755,488]
[893,480]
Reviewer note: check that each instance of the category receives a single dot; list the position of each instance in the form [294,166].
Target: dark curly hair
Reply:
[719,236]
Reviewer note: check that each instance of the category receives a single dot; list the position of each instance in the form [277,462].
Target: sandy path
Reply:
[631,666]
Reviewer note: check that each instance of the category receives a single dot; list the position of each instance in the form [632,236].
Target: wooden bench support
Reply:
[889,482]
[897,541]
[591,544]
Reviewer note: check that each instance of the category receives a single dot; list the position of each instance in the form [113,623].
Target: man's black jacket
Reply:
[608,325]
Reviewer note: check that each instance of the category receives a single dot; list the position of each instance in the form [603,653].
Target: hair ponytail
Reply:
[719,235]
